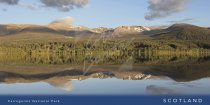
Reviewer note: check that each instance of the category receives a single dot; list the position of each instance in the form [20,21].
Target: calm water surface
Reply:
[130,76]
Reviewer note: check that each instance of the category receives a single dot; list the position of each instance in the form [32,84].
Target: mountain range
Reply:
[58,30]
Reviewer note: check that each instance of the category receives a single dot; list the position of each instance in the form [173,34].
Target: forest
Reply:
[102,52]
[119,47]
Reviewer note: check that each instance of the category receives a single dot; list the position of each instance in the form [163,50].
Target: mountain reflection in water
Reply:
[135,75]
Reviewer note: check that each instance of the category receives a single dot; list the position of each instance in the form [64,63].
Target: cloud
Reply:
[21,4]
[29,6]
[66,20]
[65,5]
[163,8]
[4,9]
[187,20]
[9,2]
[61,5]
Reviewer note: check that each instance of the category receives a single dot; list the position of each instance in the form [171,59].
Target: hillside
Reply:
[61,31]
[58,30]
[183,32]
[126,32]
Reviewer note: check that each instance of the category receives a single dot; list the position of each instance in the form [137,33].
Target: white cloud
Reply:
[66,20]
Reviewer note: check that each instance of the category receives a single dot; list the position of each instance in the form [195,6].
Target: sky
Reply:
[105,13]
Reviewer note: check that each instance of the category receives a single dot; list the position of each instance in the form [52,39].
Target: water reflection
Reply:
[61,83]
[153,89]
[134,75]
